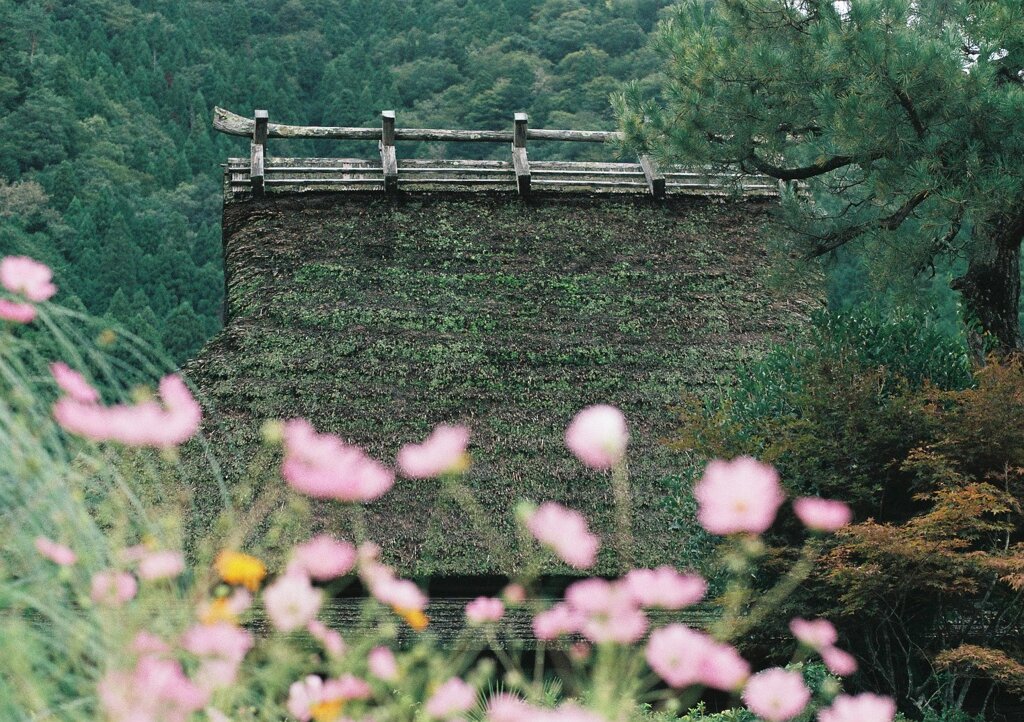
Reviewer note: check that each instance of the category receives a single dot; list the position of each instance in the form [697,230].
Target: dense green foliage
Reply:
[379,318]
[108,166]
[903,120]
[885,413]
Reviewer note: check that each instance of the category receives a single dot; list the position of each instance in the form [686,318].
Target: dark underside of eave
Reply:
[377,317]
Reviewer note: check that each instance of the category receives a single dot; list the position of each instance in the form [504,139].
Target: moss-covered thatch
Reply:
[378,317]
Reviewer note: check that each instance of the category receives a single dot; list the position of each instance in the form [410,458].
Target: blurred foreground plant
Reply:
[101,617]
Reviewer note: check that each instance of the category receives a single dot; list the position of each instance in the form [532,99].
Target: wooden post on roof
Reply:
[388,158]
[258,152]
[655,178]
[519,158]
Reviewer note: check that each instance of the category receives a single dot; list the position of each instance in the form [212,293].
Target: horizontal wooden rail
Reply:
[261,171]
[227,122]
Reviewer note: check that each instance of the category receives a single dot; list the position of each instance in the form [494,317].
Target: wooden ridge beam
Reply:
[233,124]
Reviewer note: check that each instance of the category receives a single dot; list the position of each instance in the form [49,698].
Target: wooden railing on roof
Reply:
[261,173]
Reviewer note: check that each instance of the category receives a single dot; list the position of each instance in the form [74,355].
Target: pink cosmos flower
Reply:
[598,436]
[504,707]
[865,707]
[443,452]
[291,602]
[514,594]
[741,495]
[485,609]
[17,312]
[324,467]
[147,643]
[324,558]
[221,648]
[73,383]
[839,662]
[304,696]
[56,553]
[161,565]
[145,424]
[675,653]
[724,668]
[382,663]
[507,708]
[665,588]
[329,638]
[565,531]
[157,690]
[776,695]
[822,514]
[399,594]
[351,687]
[816,634]
[451,698]
[112,588]
[683,657]
[27,277]
[239,601]
[608,610]
[559,620]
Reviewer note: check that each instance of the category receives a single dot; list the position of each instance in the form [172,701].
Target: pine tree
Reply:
[904,121]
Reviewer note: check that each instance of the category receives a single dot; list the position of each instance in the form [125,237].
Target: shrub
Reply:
[882,414]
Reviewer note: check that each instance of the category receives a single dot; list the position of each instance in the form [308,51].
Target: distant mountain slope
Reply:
[108,167]
[377,318]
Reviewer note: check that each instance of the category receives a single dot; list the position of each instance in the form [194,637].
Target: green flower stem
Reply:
[623,512]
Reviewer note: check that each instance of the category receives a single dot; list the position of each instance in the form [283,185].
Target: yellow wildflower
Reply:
[240,569]
[218,610]
[327,711]
[414,618]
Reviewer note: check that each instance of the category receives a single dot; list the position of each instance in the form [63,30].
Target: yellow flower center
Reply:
[327,711]
[218,610]
[414,618]
[460,465]
[240,569]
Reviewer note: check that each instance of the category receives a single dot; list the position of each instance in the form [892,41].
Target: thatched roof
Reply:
[378,317]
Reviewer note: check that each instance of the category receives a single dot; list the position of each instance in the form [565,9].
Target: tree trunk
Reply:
[991,293]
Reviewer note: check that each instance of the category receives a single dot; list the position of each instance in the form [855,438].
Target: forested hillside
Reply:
[108,166]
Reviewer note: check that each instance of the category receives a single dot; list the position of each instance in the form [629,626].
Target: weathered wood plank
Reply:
[233,124]
[284,161]
[583,171]
[324,181]
[256,168]
[465,136]
[572,182]
[260,122]
[227,122]
[388,155]
[390,166]
[522,166]
[585,136]
[422,163]
[585,165]
[519,132]
[502,182]
[387,118]
[655,179]
[449,169]
[323,169]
